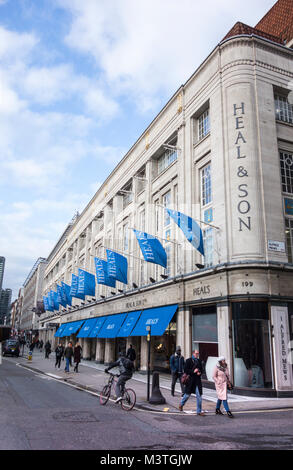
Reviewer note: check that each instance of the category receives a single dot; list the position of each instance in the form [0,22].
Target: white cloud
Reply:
[148,47]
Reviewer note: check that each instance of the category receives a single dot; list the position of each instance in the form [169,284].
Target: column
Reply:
[109,351]
[184,331]
[86,349]
[100,351]
[224,339]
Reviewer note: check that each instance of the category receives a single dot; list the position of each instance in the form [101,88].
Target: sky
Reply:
[80,80]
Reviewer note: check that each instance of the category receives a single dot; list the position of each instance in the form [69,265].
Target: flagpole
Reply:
[197,220]
[156,236]
[121,253]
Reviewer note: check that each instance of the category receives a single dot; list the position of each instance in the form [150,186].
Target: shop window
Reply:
[251,345]
[205,337]
[164,346]
[286,164]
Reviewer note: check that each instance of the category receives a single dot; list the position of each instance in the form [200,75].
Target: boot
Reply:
[230,414]
[218,411]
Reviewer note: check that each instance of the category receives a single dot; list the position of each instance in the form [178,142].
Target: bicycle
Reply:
[128,395]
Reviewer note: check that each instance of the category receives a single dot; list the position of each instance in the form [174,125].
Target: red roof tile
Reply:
[241,28]
[279,20]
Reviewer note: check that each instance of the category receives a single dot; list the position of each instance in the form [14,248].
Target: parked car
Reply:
[11,347]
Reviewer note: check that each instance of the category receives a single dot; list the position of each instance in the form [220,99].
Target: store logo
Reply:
[152,321]
[110,327]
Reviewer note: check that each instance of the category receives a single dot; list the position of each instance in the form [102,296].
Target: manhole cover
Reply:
[75,416]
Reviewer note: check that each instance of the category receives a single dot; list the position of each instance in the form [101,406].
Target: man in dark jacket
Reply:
[68,353]
[59,353]
[131,353]
[177,367]
[47,349]
[126,369]
[193,367]
[77,356]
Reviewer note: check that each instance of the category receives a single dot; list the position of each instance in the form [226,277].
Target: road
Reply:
[38,412]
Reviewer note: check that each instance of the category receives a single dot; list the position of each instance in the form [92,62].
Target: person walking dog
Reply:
[222,381]
[177,367]
[193,368]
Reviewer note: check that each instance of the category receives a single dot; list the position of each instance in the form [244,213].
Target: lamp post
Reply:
[148,328]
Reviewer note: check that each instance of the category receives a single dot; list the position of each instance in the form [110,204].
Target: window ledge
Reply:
[164,171]
[201,140]
[290,124]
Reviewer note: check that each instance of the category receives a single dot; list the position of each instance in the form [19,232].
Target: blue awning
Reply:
[87,328]
[112,325]
[71,328]
[129,324]
[157,318]
[99,323]
[59,331]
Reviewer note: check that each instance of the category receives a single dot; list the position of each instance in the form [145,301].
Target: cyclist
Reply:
[126,368]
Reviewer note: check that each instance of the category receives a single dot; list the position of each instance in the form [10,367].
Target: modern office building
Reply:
[220,151]
[5,302]
[2,266]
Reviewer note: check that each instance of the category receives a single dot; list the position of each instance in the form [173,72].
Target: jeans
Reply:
[225,403]
[58,361]
[67,364]
[198,400]
[175,377]
[121,384]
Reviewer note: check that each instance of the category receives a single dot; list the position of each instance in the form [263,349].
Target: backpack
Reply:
[127,364]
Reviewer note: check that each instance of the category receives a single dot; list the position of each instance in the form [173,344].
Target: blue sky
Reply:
[80,80]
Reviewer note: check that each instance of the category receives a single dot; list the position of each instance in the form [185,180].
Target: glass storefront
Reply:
[205,337]
[164,346]
[251,345]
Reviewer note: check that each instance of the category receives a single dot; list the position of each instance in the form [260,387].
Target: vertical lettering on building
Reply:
[243,206]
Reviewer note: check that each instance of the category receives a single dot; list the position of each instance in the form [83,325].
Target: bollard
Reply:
[30,355]
[157,397]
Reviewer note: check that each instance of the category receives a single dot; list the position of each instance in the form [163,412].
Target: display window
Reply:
[252,355]
[205,337]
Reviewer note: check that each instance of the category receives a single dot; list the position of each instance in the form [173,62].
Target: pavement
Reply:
[91,377]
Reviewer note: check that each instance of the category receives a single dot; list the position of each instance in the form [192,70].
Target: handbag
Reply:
[185,378]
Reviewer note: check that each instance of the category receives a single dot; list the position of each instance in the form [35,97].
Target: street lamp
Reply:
[148,328]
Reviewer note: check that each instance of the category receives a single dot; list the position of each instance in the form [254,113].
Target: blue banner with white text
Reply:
[74,287]
[102,273]
[190,228]
[65,289]
[151,248]
[86,283]
[60,297]
[117,266]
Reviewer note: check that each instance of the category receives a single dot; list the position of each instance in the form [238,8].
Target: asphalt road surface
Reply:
[37,412]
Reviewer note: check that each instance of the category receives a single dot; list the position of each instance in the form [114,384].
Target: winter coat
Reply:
[131,354]
[59,351]
[176,363]
[195,380]
[68,352]
[77,353]
[48,345]
[221,378]
[120,363]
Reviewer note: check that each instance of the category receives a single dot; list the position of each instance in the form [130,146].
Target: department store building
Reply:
[221,151]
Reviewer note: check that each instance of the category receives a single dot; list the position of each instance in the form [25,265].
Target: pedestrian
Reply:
[59,351]
[177,368]
[193,368]
[47,349]
[41,345]
[131,353]
[221,378]
[68,353]
[77,356]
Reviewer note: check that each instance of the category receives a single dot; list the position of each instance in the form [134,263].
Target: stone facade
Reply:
[236,87]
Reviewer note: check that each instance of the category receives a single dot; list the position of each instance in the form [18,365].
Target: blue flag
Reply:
[190,228]
[86,283]
[59,296]
[65,289]
[117,266]
[74,287]
[47,306]
[151,248]
[102,273]
[53,302]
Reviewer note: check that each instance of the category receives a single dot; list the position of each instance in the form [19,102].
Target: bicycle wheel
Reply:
[129,399]
[105,395]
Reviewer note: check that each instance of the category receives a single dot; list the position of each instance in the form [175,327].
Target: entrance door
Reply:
[205,337]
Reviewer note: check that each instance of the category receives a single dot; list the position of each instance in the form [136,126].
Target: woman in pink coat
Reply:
[221,378]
